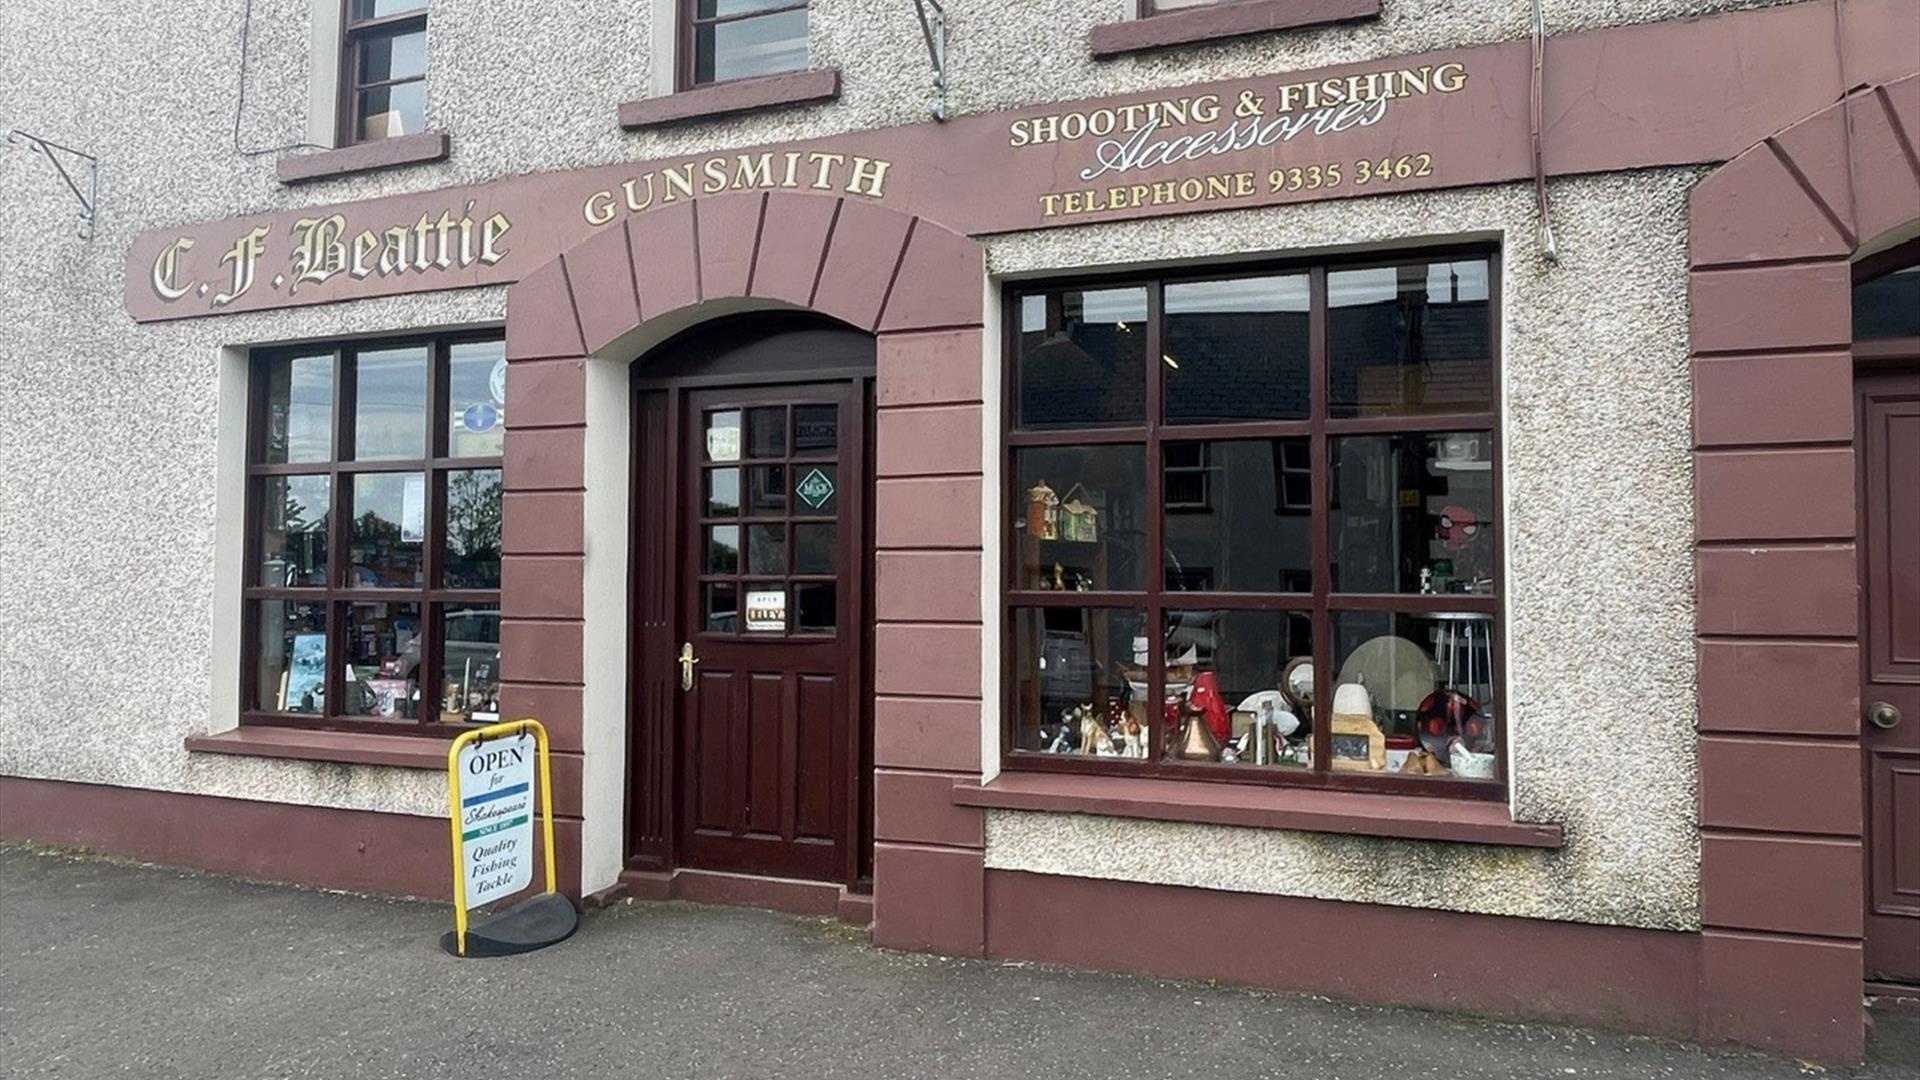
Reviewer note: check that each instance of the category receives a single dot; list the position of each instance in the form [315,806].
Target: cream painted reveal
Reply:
[1599,587]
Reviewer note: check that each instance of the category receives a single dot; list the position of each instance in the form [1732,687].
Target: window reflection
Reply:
[1238,515]
[471,541]
[1236,350]
[1082,358]
[390,404]
[1888,306]
[1414,338]
[389,530]
[300,409]
[476,398]
[293,530]
[469,683]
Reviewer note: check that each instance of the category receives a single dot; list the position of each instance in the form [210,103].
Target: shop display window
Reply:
[373,590]
[1309,454]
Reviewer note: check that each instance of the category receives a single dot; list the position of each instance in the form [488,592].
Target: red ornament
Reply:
[1206,701]
[1445,715]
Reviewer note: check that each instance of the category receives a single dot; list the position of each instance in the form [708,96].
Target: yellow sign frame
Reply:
[545,765]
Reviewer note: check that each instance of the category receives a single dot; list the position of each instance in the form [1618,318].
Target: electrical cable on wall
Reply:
[240,106]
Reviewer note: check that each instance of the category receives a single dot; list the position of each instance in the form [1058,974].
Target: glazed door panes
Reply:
[1889,447]
[771,545]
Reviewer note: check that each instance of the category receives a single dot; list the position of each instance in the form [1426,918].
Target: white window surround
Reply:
[325,24]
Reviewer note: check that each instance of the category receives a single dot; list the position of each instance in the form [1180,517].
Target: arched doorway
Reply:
[1886,354]
[751,601]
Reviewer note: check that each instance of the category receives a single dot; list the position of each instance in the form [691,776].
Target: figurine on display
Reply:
[1206,698]
[1078,520]
[1043,512]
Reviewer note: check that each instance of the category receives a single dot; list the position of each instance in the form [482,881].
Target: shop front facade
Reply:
[1369,501]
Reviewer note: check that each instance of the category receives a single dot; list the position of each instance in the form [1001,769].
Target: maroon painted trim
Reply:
[1609,976]
[353,850]
[347,747]
[737,95]
[1222,21]
[1306,810]
[820,899]
[364,157]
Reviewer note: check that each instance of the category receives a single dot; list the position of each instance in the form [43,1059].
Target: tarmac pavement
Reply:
[115,970]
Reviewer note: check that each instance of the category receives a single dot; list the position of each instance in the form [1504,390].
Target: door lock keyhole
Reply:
[1883,715]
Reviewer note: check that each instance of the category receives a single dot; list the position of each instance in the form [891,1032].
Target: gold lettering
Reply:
[822,177]
[870,173]
[1206,108]
[599,207]
[491,231]
[393,251]
[793,166]
[1020,134]
[318,250]
[677,181]
[753,171]
[443,250]
[364,246]
[715,170]
[245,259]
[635,203]
[1450,77]
[1049,206]
[166,268]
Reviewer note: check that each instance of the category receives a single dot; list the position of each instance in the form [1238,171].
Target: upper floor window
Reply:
[1252,526]
[1154,7]
[384,70]
[738,39]
[373,534]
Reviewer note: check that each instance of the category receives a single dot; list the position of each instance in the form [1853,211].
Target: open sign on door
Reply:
[767,609]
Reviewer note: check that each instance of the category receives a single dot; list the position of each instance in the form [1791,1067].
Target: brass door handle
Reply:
[1883,715]
[687,660]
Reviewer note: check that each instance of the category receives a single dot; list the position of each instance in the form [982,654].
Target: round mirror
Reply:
[1296,682]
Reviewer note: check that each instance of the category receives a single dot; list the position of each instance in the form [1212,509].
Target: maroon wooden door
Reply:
[771,541]
[1890,646]
[1889,447]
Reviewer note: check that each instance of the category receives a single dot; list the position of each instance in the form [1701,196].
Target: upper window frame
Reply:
[354,35]
[337,592]
[1319,428]
[687,24]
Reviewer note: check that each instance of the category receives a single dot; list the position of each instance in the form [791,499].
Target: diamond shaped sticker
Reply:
[814,489]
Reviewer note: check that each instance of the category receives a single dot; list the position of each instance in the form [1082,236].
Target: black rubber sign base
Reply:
[544,920]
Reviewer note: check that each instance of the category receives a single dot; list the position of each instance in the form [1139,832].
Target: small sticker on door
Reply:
[814,489]
[767,609]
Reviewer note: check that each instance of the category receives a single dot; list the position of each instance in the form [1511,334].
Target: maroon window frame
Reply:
[358,35]
[338,592]
[692,23]
[1322,603]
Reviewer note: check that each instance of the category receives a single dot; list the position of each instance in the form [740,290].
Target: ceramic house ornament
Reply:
[1043,512]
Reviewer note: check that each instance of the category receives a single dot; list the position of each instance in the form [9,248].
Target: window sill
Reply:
[303,744]
[733,96]
[364,157]
[1222,21]
[1347,813]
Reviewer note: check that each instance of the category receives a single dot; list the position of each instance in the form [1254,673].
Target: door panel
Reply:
[1889,448]
[772,551]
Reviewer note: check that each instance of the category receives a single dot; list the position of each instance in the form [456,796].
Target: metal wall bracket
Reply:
[933,27]
[84,163]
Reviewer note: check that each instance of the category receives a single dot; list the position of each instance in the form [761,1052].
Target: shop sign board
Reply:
[1437,120]
[496,817]
[493,775]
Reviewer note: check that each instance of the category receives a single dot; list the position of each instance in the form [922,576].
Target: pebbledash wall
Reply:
[119,539]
